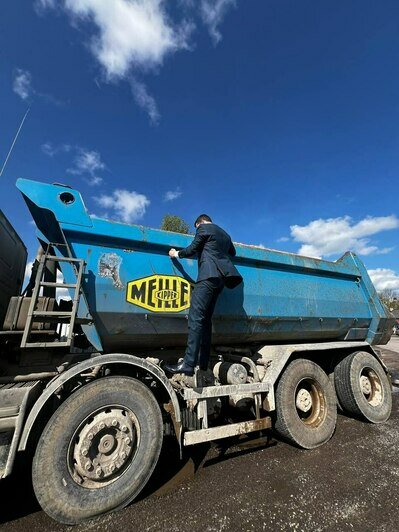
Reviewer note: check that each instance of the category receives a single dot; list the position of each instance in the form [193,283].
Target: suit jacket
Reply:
[214,249]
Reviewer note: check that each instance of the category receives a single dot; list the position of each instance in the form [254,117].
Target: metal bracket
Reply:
[216,433]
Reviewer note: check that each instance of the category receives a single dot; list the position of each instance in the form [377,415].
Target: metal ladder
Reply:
[43,316]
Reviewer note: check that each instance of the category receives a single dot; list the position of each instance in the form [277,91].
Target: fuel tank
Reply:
[139,297]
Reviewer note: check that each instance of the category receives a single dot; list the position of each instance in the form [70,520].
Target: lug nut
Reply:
[112,468]
[102,425]
[123,455]
[127,440]
[88,466]
[99,471]
[124,428]
[85,452]
[90,436]
[114,422]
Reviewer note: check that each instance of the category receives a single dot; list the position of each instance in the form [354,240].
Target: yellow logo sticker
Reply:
[160,293]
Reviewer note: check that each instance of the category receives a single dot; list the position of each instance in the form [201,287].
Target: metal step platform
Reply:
[15,398]
[204,393]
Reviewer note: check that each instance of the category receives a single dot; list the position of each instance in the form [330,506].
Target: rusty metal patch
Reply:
[108,266]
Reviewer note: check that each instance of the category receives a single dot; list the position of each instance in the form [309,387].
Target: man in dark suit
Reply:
[214,249]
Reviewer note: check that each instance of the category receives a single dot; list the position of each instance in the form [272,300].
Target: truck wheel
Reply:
[305,405]
[363,388]
[98,450]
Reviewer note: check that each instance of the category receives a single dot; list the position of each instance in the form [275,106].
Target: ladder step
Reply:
[47,344]
[63,259]
[52,313]
[65,320]
[58,285]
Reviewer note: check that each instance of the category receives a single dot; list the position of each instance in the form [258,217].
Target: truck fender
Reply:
[101,360]
[377,353]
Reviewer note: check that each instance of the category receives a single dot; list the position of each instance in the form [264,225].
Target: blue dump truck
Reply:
[82,385]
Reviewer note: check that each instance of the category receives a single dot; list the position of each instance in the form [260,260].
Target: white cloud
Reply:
[145,100]
[62,293]
[332,236]
[94,181]
[48,149]
[28,270]
[41,5]
[22,84]
[87,162]
[51,150]
[283,239]
[129,38]
[384,279]
[130,33]
[172,195]
[128,206]
[213,13]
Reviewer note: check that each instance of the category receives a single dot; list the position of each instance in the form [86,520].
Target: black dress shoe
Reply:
[182,367]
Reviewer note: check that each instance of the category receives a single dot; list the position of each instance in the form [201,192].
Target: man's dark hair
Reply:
[201,219]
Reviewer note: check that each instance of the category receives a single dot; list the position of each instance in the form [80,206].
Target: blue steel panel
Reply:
[283,297]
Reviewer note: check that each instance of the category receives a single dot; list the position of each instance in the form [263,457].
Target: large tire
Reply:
[363,388]
[98,450]
[306,408]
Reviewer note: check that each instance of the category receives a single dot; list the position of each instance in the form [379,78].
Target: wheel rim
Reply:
[310,402]
[103,446]
[371,386]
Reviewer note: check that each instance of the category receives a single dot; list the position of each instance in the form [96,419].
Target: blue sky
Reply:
[279,118]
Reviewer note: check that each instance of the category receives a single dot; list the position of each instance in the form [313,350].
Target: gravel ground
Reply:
[351,483]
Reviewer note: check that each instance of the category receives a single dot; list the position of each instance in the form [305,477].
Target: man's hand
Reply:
[173,254]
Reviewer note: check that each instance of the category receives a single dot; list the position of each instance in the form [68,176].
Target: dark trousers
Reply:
[203,303]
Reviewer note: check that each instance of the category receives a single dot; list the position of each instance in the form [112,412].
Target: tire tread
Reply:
[303,436]
[348,389]
[75,504]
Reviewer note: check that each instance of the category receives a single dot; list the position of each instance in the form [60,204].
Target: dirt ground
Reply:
[351,483]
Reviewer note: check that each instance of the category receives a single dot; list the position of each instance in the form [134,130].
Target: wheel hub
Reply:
[102,447]
[304,400]
[107,443]
[371,387]
[365,384]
